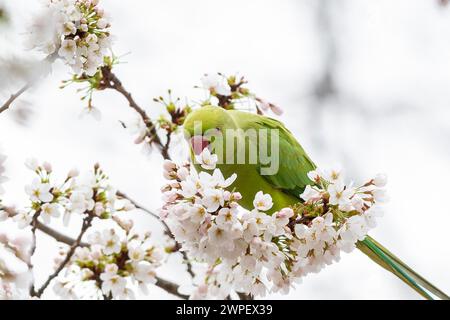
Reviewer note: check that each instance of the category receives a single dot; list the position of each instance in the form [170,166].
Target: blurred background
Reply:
[364,84]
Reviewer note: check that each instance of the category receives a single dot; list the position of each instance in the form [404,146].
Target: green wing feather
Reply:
[294,162]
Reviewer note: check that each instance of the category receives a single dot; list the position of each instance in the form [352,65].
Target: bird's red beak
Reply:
[198,143]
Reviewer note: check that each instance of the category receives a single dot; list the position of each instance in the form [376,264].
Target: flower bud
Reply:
[380,180]
[73,173]
[169,165]
[47,167]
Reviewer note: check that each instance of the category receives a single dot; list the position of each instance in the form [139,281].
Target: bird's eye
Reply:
[218,129]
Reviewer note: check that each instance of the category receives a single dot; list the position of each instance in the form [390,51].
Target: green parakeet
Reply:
[208,126]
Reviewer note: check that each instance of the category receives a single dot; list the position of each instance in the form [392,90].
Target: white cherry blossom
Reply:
[216,84]
[207,160]
[111,242]
[310,194]
[262,201]
[212,199]
[49,210]
[39,191]
[340,195]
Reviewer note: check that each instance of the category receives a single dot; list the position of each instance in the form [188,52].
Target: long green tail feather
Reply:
[418,278]
[388,261]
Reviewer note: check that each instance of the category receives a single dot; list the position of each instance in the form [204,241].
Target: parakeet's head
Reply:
[202,124]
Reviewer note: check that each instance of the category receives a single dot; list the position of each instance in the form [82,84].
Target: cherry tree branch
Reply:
[34,221]
[58,236]
[110,81]
[164,284]
[87,222]
[30,82]
[166,229]
[170,287]
[14,96]
[165,148]
[243,296]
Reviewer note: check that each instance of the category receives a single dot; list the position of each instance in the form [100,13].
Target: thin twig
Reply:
[14,96]
[87,221]
[49,59]
[165,148]
[34,222]
[110,81]
[33,244]
[166,229]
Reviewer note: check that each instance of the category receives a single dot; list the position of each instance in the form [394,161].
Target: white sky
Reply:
[392,114]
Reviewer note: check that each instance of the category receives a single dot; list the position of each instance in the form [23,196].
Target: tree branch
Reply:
[58,236]
[14,96]
[165,148]
[244,296]
[166,229]
[170,287]
[164,284]
[87,221]
[48,60]
[110,81]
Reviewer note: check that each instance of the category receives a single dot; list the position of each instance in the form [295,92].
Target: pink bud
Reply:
[169,165]
[73,173]
[47,167]
[276,109]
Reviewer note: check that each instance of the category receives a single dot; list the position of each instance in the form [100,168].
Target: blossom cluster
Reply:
[168,124]
[91,195]
[112,263]
[76,30]
[115,263]
[230,93]
[254,252]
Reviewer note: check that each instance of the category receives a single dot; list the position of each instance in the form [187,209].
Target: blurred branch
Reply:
[4,18]
[14,96]
[45,66]
[325,86]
